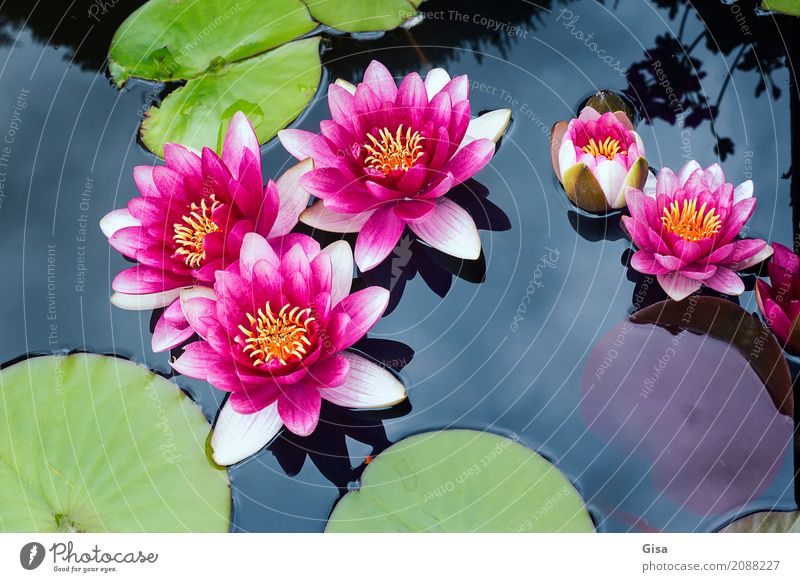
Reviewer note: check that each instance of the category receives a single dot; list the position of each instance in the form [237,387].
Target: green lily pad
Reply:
[165,40]
[363,15]
[272,89]
[791,7]
[99,444]
[461,481]
[766,522]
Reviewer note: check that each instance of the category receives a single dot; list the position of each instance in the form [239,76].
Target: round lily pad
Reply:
[99,444]
[165,40]
[272,89]
[363,15]
[461,481]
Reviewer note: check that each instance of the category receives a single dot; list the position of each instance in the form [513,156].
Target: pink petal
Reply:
[380,80]
[450,229]
[645,262]
[746,253]
[725,281]
[304,144]
[363,308]
[435,81]
[237,436]
[342,106]
[250,401]
[778,321]
[742,191]
[255,248]
[293,198]
[368,385]
[677,286]
[685,173]
[200,313]
[117,219]
[183,160]
[470,160]
[240,138]
[171,329]
[440,188]
[786,259]
[341,257]
[378,237]
[146,280]
[458,89]
[298,406]
[739,215]
[328,372]
[195,360]
[667,182]
[317,216]
[699,272]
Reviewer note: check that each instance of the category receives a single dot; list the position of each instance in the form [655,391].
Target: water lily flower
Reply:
[597,157]
[684,226]
[780,302]
[274,335]
[390,155]
[190,220]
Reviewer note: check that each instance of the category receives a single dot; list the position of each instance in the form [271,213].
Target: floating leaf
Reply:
[363,15]
[461,481]
[96,443]
[698,397]
[791,7]
[272,89]
[165,40]
[766,522]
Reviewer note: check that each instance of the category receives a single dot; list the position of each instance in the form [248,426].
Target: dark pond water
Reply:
[507,354]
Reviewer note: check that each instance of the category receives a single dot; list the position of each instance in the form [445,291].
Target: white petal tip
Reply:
[144,302]
[346,85]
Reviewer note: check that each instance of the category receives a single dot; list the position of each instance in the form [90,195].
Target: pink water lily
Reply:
[597,157]
[685,227]
[390,155]
[780,302]
[190,220]
[274,335]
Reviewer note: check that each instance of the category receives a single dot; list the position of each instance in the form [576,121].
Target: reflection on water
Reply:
[701,406]
[498,344]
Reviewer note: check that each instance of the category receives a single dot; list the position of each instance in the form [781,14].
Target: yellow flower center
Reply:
[689,223]
[283,336]
[393,152]
[191,233]
[609,148]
